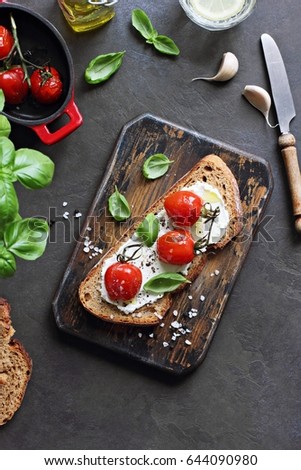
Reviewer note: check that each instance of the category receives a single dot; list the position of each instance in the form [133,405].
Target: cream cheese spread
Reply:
[148,261]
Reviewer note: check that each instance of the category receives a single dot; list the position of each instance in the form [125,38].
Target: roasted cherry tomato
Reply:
[123,281]
[176,247]
[14,85]
[46,85]
[183,207]
[6,42]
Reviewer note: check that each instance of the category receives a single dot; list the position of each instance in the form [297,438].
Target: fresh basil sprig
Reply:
[102,67]
[148,230]
[25,238]
[143,24]
[118,206]
[156,166]
[164,282]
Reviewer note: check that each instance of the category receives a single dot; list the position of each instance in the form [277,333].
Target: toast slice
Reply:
[211,169]
[15,367]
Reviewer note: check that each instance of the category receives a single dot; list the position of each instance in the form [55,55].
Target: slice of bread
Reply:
[15,367]
[211,169]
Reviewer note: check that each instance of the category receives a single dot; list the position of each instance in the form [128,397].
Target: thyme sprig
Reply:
[125,258]
[209,215]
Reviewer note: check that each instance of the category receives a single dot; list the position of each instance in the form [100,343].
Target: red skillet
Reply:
[41,41]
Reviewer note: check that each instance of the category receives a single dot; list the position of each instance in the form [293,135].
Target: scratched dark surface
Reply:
[246,393]
[139,139]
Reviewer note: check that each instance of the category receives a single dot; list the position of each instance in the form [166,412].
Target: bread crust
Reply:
[15,367]
[210,169]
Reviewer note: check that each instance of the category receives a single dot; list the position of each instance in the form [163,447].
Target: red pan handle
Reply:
[52,137]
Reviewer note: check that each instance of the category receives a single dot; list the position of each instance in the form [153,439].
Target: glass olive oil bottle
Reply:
[84,15]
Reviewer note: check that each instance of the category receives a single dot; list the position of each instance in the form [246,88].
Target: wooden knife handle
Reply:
[289,154]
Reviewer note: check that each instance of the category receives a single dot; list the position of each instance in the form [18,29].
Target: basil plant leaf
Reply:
[9,205]
[156,166]
[165,45]
[148,230]
[118,206]
[33,169]
[7,263]
[102,67]
[27,238]
[164,282]
[2,100]
[7,152]
[5,127]
[143,24]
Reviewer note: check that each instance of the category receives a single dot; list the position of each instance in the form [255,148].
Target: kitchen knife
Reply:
[285,110]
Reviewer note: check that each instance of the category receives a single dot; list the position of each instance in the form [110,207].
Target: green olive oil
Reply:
[83,16]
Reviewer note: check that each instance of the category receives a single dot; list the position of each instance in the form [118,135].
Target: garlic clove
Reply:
[260,99]
[227,69]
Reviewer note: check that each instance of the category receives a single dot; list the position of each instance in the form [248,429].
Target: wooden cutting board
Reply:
[170,347]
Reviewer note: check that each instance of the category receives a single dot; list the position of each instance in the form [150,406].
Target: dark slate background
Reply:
[246,394]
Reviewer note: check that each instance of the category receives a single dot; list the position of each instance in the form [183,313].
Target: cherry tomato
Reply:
[183,207]
[46,85]
[176,247]
[6,42]
[14,85]
[123,281]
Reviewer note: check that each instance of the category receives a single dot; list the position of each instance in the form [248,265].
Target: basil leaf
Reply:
[2,100]
[156,166]
[9,205]
[7,152]
[5,127]
[165,282]
[143,24]
[165,45]
[33,169]
[148,230]
[103,67]
[27,238]
[118,206]
[7,263]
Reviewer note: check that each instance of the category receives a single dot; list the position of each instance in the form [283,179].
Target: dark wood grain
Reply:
[208,295]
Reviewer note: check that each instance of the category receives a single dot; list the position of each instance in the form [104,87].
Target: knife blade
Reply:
[285,110]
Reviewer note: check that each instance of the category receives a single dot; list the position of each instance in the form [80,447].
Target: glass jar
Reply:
[84,15]
[216,15]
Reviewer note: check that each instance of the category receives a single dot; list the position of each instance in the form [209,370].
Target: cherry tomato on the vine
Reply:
[46,85]
[176,247]
[14,85]
[6,42]
[122,281]
[183,207]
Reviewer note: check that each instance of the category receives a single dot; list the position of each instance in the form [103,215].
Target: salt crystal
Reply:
[187,342]
[65,204]
[140,335]
[176,324]
[86,249]
[216,272]
[202,298]
[165,344]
